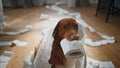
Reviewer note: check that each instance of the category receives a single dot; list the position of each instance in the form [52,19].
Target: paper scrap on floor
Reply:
[4,59]
[16,42]
[92,63]
[28,61]
[26,29]
[2,25]
[44,16]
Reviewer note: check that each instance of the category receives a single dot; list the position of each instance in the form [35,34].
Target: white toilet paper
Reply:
[72,49]
[26,29]
[4,59]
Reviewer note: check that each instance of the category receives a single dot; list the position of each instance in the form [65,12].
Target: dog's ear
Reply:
[55,31]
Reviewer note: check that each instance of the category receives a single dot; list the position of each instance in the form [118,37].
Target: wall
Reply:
[53,1]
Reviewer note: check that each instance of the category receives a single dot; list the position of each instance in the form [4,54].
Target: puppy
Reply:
[66,28]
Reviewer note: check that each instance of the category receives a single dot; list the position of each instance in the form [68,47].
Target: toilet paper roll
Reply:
[72,49]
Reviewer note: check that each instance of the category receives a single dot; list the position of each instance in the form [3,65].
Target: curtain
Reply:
[31,3]
[1,12]
[82,2]
[25,3]
[22,3]
[17,3]
[38,2]
[93,2]
[117,4]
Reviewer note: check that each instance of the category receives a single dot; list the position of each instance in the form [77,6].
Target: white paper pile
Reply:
[58,9]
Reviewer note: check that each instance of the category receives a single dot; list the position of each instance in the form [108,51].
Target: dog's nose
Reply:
[75,37]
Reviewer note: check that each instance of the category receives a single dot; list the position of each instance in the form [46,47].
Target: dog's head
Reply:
[66,28]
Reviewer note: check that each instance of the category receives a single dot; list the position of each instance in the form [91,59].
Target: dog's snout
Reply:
[75,37]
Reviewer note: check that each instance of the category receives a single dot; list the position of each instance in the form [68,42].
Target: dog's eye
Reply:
[64,27]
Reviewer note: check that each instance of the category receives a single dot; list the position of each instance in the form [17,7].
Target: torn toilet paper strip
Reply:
[4,59]
[26,29]
[2,25]
[92,63]
[58,9]
[44,51]
[106,40]
[98,43]
[72,49]
[16,42]
[105,36]
[59,3]
[44,16]
[28,61]
[85,25]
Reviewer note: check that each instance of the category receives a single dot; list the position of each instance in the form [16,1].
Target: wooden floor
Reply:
[18,18]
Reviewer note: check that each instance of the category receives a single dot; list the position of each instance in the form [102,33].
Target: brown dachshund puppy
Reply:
[66,28]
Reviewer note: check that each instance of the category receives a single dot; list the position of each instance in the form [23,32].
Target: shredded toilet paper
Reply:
[4,59]
[59,3]
[98,43]
[26,29]
[28,61]
[44,16]
[2,25]
[44,51]
[106,40]
[105,36]
[92,63]
[58,9]
[16,42]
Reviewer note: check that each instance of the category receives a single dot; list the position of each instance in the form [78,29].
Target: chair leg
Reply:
[111,5]
[113,8]
[98,7]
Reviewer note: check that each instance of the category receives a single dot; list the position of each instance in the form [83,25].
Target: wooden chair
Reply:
[109,7]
